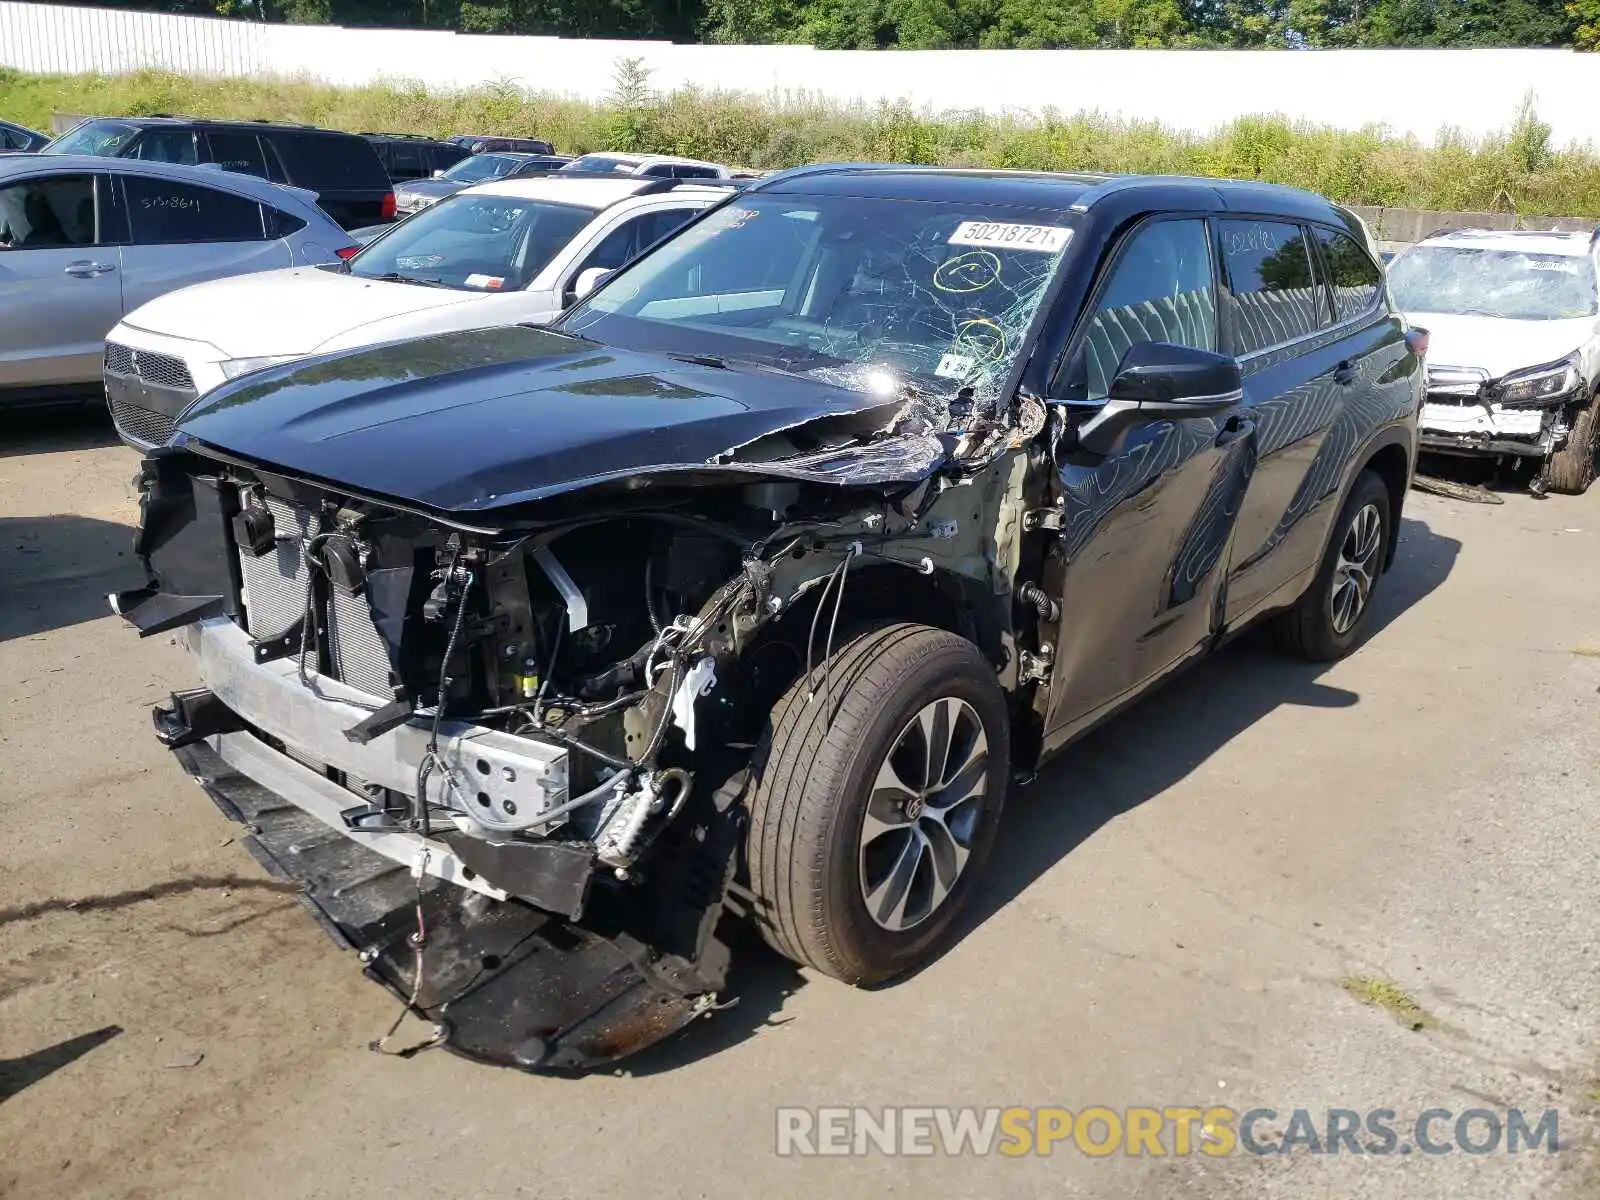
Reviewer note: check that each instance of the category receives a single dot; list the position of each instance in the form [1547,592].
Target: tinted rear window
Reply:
[164,212]
[1275,298]
[319,160]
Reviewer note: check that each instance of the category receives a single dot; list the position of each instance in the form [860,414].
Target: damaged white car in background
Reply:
[1514,356]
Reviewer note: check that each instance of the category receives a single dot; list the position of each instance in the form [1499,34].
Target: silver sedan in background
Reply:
[84,240]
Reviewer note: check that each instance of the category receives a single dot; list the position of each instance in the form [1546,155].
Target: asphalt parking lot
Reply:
[1197,905]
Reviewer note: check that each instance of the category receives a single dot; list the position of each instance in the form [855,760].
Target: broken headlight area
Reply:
[1540,387]
[506,765]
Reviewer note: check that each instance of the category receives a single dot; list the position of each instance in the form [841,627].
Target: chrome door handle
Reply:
[88,270]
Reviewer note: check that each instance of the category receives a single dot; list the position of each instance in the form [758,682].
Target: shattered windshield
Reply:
[863,293]
[93,137]
[1513,284]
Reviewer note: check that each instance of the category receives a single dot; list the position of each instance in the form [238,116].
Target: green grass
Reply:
[1381,993]
[1515,170]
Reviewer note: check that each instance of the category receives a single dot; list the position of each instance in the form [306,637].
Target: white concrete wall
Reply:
[1410,91]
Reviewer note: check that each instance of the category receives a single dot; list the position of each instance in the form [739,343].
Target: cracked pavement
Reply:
[1172,912]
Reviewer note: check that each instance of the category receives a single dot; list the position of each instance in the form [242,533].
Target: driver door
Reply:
[1145,530]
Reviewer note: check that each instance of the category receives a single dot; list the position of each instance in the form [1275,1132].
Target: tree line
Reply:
[968,24]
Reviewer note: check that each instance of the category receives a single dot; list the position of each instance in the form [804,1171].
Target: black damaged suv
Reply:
[751,583]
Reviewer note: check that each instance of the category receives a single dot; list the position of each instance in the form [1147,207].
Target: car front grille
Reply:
[163,370]
[274,595]
[146,392]
[140,424]
[1458,386]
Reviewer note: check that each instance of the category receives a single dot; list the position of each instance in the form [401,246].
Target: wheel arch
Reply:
[1391,462]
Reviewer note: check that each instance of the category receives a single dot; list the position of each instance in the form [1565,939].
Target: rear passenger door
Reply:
[1305,360]
[60,288]
[182,233]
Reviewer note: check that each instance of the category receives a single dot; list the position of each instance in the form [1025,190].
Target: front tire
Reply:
[1326,623]
[1570,470]
[867,830]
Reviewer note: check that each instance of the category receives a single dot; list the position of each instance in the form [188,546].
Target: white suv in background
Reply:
[1514,348]
[650,166]
[514,251]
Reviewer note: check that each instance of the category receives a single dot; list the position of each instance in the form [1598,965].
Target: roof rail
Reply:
[834,168]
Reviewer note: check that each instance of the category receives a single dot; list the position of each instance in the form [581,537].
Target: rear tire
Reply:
[1326,623]
[1570,470]
[860,856]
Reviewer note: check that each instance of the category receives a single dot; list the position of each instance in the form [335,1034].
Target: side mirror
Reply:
[588,279]
[439,174]
[1157,381]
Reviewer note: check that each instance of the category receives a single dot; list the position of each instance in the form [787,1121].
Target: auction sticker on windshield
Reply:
[1002,235]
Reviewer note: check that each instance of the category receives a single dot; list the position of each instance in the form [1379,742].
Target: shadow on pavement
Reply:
[1114,769]
[1159,741]
[85,426]
[55,571]
[19,1073]
[760,982]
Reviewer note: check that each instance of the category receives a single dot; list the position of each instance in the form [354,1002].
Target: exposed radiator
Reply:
[359,655]
[275,598]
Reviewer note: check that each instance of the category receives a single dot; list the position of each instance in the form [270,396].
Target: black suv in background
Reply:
[475,143]
[411,156]
[341,168]
[756,576]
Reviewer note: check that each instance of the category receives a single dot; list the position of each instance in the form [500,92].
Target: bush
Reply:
[1514,170]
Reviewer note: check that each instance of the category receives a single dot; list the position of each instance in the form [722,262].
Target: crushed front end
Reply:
[506,761]
[1524,415]
[420,724]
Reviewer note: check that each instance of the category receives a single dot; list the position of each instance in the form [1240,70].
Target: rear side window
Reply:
[694,172]
[321,160]
[166,145]
[163,212]
[1274,295]
[239,152]
[47,214]
[405,160]
[1354,276]
[441,158]
[281,224]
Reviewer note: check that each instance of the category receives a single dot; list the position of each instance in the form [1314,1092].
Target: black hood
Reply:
[472,422]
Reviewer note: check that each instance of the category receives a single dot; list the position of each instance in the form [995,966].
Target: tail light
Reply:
[348,252]
[387,211]
[1417,341]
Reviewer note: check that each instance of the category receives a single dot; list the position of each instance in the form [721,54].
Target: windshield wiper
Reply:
[702,360]
[396,277]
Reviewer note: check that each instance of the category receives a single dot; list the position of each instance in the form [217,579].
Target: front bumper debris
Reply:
[313,721]
[1482,429]
[509,984]
[521,966]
